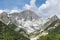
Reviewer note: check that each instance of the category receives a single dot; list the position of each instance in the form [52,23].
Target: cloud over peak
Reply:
[51,7]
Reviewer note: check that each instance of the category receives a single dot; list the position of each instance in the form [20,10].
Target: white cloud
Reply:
[51,7]
[27,6]
[32,6]
[32,3]
[43,6]
[15,9]
[1,11]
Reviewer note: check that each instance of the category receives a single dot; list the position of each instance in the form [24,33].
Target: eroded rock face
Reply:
[4,18]
[29,20]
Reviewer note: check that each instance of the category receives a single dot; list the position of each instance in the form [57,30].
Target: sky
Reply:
[44,8]
[9,4]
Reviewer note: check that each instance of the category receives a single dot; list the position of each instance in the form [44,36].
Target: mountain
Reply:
[28,20]
[53,30]
[50,20]
[15,14]
[27,25]
[49,30]
[4,18]
[25,22]
[7,28]
[28,15]
[7,32]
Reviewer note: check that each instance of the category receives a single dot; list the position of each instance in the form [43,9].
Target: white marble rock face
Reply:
[29,21]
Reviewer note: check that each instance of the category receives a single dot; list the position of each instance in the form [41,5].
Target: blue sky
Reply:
[9,4]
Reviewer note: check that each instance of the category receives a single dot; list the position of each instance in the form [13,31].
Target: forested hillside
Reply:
[8,33]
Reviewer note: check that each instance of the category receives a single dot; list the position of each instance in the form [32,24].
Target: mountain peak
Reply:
[53,18]
[28,14]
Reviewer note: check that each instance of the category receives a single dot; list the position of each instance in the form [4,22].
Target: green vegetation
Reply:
[53,34]
[50,37]
[8,33]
